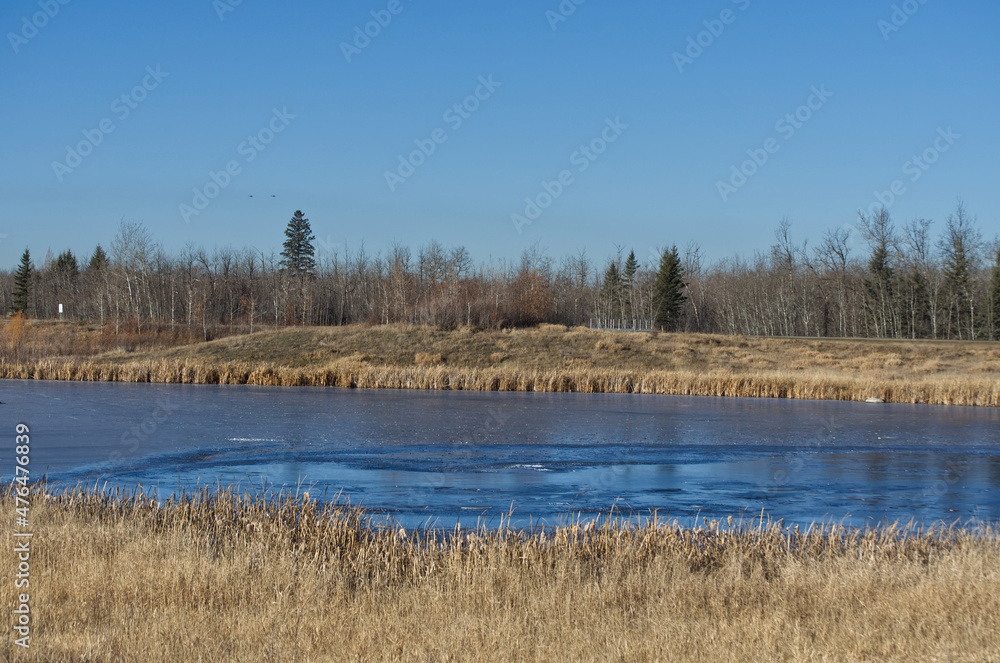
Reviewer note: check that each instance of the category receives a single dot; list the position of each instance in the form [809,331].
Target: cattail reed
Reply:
[250,575]
[550,358]
[509,377]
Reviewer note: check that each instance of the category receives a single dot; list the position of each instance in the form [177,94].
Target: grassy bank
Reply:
[549,358]
[227,579]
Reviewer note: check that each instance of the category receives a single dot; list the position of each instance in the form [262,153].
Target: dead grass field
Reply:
[233,578]
[547,358]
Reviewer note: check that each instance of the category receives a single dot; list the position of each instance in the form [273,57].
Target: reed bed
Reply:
[718,382]
[548,358]
[227,575]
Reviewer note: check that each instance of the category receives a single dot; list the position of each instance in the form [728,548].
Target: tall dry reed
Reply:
[550,358]
[944,390]
[226,576]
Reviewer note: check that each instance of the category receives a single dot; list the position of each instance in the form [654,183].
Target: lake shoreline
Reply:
[317,580]
[554,359]
[662,383]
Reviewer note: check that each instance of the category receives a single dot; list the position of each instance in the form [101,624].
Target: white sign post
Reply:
[60,311]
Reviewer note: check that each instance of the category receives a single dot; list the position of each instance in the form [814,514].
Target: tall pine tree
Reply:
[611,291]
[880,290]
[881,294]
[298,254]
[995,300]
[668,291]
[66,265]
[22,283]
[630,273]
[959,246]
[99,260]
[298,261]
[915,289]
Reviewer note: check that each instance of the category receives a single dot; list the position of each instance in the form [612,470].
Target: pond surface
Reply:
[437,458]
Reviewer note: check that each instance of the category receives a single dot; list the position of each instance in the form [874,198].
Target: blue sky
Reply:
[893,94]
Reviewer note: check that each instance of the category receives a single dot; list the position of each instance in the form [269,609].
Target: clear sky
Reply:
[200,78]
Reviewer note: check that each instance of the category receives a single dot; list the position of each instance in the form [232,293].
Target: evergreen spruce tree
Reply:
[298,254]
[959,246]
[99,260]
[881,294]
[66,265]
[298,261]
[879,290]
[995,300]
[630,272]
[96,276]
[958,278]
[668,291]
[22,283]
[631,267]
[918,318]
[611,291]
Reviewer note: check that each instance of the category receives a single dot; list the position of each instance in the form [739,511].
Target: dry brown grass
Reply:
[427,359]
[554,358]
[231,578]
[23,339]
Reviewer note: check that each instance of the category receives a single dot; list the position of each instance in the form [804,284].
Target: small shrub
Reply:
[17,328]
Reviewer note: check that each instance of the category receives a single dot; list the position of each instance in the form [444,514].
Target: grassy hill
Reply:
[546,358]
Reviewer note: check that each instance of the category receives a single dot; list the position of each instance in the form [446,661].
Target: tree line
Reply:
[904,283]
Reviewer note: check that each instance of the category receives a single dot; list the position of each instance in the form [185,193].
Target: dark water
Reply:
[441,457]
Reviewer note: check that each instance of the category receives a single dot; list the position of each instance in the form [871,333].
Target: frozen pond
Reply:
[441,457]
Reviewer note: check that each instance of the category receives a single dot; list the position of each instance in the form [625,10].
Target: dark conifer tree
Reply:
[959,247]
[611,291]
[99,260]
[629,282]
[668,291]
[66,266]
[22,283]
[298,255]
[880,291]
[917,306]
[995,300]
